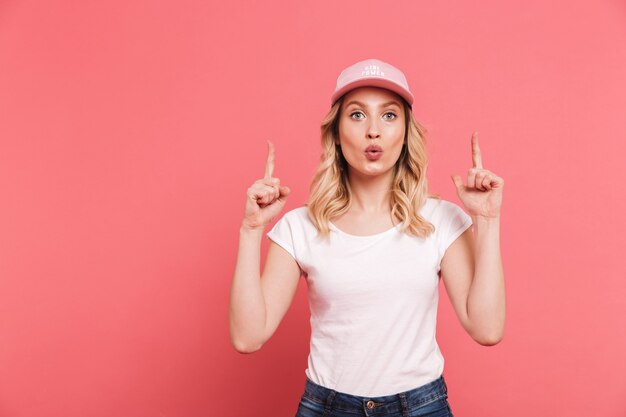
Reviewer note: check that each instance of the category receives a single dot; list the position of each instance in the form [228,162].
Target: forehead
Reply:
[372,96]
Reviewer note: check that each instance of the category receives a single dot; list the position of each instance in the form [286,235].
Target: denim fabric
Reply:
[429,400]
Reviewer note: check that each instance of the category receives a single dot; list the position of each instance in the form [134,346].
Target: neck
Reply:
[370,195]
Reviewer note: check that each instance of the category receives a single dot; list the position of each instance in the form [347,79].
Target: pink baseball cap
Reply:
[372,73]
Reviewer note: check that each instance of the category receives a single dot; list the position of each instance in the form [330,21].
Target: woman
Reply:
[372,245]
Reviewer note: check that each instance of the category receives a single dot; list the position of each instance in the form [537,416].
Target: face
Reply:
[371,131]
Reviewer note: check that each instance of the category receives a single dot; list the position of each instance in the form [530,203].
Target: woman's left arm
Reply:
[472,266]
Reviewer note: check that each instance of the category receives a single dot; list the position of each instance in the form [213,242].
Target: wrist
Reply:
[486,219]
[251,230]
[486,224]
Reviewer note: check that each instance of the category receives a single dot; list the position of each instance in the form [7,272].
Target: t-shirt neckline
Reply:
[338,230]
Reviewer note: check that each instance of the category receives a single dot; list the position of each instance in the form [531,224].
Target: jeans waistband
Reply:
[400,402]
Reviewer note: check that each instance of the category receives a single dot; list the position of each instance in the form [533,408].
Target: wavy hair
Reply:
[329,190]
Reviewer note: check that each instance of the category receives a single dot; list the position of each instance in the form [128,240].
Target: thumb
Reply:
[284,191]
[458,182]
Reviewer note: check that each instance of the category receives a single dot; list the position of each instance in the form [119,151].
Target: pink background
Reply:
[130,131]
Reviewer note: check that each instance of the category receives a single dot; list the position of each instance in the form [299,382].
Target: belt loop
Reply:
[329,402]
[405,407]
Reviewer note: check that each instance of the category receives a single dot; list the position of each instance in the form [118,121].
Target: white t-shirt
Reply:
[373,300]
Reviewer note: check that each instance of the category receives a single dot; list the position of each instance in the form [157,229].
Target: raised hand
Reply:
[265,198]
[482,196]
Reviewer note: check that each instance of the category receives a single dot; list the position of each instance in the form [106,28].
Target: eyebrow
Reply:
[389,103]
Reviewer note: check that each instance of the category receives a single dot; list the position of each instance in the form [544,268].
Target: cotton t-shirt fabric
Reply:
[373,300]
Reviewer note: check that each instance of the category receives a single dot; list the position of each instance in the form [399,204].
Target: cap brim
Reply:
[373,82]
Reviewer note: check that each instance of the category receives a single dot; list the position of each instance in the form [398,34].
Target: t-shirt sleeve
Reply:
[453,222]
[283,234]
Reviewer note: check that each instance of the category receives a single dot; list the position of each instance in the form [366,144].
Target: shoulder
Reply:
[298,216]
[295,224]
[438,210]
[434,207]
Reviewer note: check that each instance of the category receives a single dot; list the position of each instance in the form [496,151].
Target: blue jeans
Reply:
[428,400]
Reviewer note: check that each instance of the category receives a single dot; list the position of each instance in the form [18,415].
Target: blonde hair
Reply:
[330,193]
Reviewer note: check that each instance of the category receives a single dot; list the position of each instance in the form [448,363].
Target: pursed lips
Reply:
[373,148]
[373,152]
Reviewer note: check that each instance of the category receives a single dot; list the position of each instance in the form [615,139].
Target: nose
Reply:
[373,131]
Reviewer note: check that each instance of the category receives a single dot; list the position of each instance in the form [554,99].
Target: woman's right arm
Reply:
[257,305]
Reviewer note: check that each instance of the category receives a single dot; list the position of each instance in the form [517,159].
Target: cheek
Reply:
[348,130]
[349,139]
[398,136]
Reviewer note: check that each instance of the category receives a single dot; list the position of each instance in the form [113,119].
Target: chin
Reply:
[371,171]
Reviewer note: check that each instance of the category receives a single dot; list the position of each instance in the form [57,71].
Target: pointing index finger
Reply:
[269,165]
[476,157]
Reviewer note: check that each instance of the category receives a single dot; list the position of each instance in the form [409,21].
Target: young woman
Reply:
[372,244]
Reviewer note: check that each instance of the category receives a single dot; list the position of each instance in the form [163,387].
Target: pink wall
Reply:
[130,131]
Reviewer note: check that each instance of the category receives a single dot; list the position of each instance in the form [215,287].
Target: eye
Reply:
[356,112]
[391,118]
